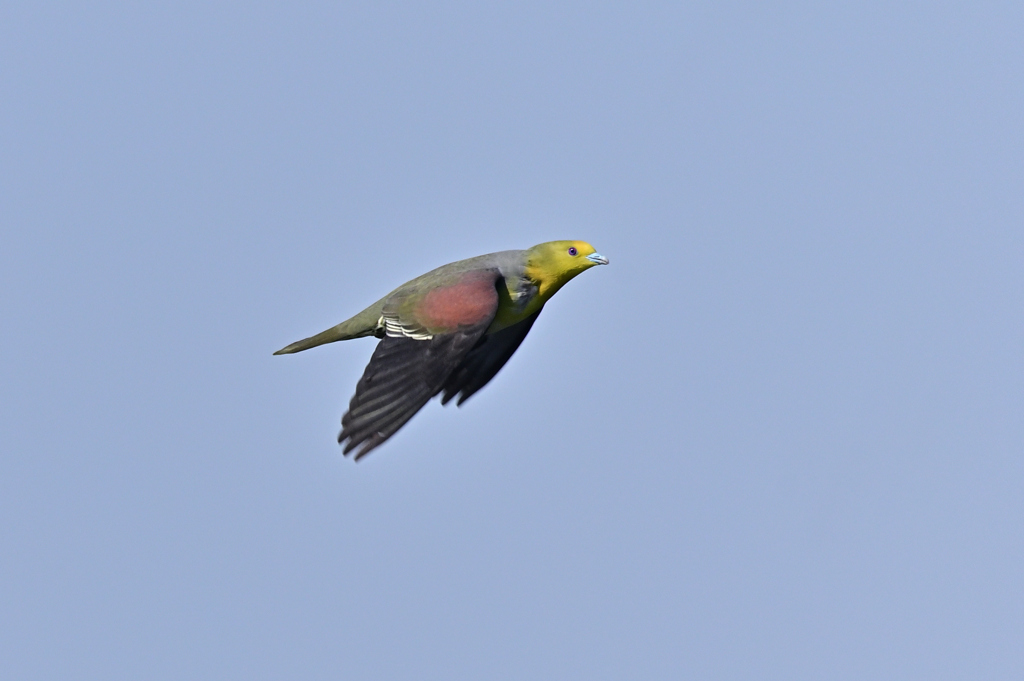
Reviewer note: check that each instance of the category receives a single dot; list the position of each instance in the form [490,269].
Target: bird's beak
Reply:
[597,259]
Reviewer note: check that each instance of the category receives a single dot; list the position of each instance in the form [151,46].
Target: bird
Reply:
[446,332]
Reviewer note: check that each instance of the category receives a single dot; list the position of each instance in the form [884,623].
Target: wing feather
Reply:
[485,360]
[405,372]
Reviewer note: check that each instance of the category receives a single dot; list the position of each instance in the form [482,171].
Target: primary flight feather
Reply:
[447,332]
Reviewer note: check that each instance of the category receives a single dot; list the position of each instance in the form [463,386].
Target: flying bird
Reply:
[447,332]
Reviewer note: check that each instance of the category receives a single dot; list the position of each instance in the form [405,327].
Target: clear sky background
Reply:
[780,437]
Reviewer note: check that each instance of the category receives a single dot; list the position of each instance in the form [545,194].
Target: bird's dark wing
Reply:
[427,338]
[485,360]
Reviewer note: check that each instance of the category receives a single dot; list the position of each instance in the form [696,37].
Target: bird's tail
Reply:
[363,324]
[329,336]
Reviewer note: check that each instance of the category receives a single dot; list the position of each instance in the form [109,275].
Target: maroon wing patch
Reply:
[466,303]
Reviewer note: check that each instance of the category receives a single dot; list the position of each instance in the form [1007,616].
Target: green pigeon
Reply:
[448,331]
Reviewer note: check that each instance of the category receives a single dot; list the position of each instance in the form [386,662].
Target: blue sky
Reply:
[780,437]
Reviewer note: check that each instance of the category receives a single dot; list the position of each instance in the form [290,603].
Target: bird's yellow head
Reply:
[553,263]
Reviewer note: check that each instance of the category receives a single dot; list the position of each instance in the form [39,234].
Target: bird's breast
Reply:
[517,300]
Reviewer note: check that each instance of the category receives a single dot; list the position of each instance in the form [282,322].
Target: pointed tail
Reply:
[329,336]
[363,324]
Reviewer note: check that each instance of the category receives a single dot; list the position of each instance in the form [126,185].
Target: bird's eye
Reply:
[572,250]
